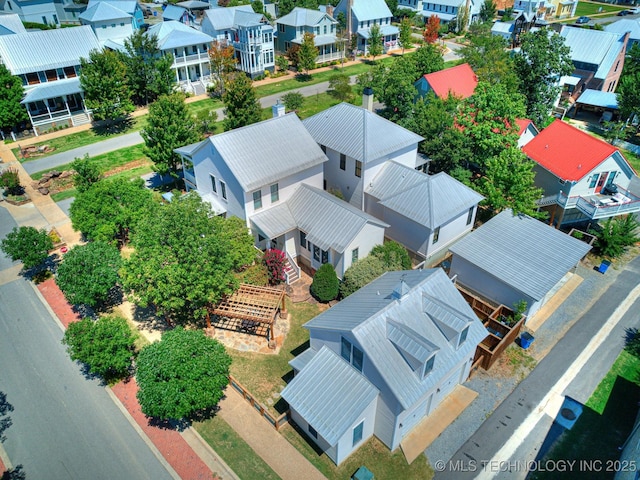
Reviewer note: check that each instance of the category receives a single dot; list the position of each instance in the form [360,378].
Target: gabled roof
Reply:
[265,152]
[593,47]
[328,221]
[195,4]
[370,10]
[366,315]
[523,124]
[358,133]
[459,81]
[173,12]
[623,26]
[102,11]
[567,152]
[173,34]
[502,27]
[303,17]
[529,255]
[329,394]
[430,200]
[128,6]
[42,91]
[12,23]
[224,18]
[47,49]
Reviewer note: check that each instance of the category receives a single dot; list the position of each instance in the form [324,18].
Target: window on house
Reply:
[312,431]
[357,433]
[354,255]
[436,235]
[325,256]
[617,65]
[470,216]
[44,20]
[351,354]
[9,5]
[69,72]
[257,200]
[324,30]
[343,161]
[594,181]
[261,238]
[223,190]
[463,336]
[428,366]
[316,253]
[32,78]
[303,239]
[113,25]
[52,76]
[213,184]
[275,195]
[358,168]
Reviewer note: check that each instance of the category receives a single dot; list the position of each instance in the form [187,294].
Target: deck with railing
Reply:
[597,205]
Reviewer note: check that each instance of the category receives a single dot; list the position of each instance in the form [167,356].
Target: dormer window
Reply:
[428,366]
[463,336]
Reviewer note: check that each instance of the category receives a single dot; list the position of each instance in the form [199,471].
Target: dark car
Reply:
[622,13]
[583,20]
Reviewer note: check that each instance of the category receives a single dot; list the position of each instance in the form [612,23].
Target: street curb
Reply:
[228,473]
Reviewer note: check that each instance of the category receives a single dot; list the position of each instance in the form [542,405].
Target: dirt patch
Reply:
[127,166]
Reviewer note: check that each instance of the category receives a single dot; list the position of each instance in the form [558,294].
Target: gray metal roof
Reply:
[52,90]
[599,99]
[384,30]
[625,25]
[128,6]
[370,9]
[47,49]
[172,34]
[224,18]
[522,252]
[358,133]
[173,12]
[594,47]
[303,17]
[265,152]
[299,362]
[430,200]
[328,221]
[188,150]
[329,394]
[103,11]
[12,22]
[367,313]
[197,4]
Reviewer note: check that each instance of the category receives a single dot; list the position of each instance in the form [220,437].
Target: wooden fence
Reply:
[261,409]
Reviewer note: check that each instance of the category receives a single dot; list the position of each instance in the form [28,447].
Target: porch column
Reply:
[35,132]
[66,104]
[177,76]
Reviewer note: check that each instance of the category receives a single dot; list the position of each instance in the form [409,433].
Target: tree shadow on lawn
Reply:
[181,424]
[111,127]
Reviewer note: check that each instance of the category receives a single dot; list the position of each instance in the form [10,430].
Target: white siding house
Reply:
[365,14]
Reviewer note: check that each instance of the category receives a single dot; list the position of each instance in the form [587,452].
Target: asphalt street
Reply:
[64,426]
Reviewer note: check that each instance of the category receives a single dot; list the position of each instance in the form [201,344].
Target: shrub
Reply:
[10,181]
[256,274]
[615,234]
[293,101]
[394,255]
[87,173]
[275,260]
[361,273]
[325,286]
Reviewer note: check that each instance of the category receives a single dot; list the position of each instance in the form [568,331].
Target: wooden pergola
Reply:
[250,309]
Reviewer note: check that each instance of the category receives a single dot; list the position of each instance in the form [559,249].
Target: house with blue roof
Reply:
[364,14]
[110,24]
[623,26]
[293,26]
[178,14]
[382,360]
[48,64]
[446,10]
[250,34]
[128,6]
[46,12]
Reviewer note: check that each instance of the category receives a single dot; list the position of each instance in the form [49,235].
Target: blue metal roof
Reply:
[625,25]
[593,47]
[173,12]
[599,99]
[12,23]
[172,34]
[370,10]
[103,11]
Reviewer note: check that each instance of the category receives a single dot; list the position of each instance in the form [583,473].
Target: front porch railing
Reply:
[595,210]
[294,267]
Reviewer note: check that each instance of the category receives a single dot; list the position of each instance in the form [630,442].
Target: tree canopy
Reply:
[404,36]
[185,257]
[308,53]
[12,112]
[87,173]
[182,375]
[488,11]
[628,91]
[27,244]
[223,61]
[88,273]
[375,41]
[240,102]
[169,126]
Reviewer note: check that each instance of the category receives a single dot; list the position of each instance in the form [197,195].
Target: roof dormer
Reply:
[416,350]
[454,325]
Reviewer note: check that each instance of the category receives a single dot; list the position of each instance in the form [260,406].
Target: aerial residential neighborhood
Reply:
[359,239]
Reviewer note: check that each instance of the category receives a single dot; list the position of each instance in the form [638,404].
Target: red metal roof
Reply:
[566,151]
[523,123]
[459,80]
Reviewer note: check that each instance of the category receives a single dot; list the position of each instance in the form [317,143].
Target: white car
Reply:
[634,11]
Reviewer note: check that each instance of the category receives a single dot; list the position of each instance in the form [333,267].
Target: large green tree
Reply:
[375,41]
[104,82]
[87,173]
[185,258]
[12,112]
[27,244]
[427,59]
[182,375]
[308,53]
[543,59]
[169,126]
[488,11]
[88,273]
[110,209]
[404,36]
[149,72]
[240,102]
[106,346]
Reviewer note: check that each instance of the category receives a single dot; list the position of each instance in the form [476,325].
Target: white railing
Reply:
[182,59]
[294,266]
[327,57]
[595,209]
[48,117]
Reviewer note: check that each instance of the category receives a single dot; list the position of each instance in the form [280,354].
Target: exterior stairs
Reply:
[80,119]
[290,272]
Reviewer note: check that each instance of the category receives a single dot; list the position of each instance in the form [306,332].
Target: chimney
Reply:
[278,109]
[329,10]
[367,99]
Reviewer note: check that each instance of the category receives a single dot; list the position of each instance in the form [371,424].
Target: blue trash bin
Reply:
[603,266]
[526,339]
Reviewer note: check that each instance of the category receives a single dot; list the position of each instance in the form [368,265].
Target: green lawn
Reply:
[590,8]
[632,158]
[234,450]
[605,423]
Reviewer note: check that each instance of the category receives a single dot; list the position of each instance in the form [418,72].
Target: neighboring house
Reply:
[504,30]
[381,360]
[48,63]
[426,213]
[292,28]
[250,34]
[449,10]
[110,24]
[526,131]
[623,26]
[364,14]
[542,10]
[190,50]
[358,143]
[513,30]
[583,178]
[599,103]
[178,14]
[512,258]
[131,7]
[10,24]
[598,57]
[47,12]
[459,81]
[563,8]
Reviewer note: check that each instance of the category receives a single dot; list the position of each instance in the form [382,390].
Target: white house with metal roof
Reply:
[293,26]
[381,360]
[358,143]
[48,63]
[515,257]
[108,22]
[178,14]
[10,24]
[250,34]
[426,213]
[132,7]
[364,14]
[46,12]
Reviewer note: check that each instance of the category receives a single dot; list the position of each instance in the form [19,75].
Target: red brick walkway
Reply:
[170,443]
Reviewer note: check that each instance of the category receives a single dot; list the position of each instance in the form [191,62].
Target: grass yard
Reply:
[605,423]
[632,158]
[266,375]
[374,454]
[234,450]
[589,8]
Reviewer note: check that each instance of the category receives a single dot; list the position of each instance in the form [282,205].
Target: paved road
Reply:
[498,428]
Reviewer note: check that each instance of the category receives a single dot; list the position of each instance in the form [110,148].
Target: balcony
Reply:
[598,205]
[188,59]
[190,177]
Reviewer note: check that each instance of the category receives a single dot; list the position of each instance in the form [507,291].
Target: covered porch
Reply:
[328,48]
[389,38]
[613,202]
